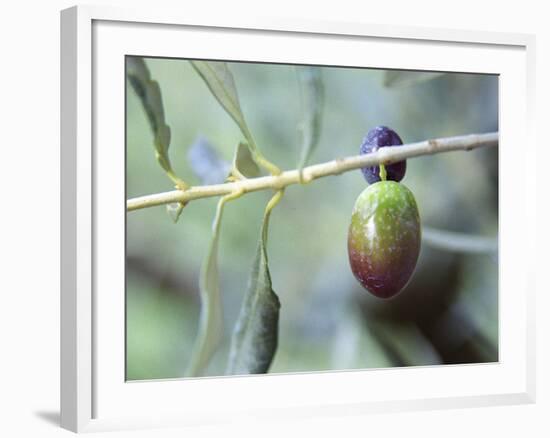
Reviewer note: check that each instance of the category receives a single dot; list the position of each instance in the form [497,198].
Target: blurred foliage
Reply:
[448,312]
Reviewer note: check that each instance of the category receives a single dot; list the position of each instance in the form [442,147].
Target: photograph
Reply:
[292,218]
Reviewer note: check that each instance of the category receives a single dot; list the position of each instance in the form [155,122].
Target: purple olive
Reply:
[384,238]
[376,138]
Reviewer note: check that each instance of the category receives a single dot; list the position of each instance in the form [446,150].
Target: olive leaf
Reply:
[254,340]
[207,163]
[148,91]
[174,210]
[211,319]
[221,83]
[313,94]
[243,163]
[396,78]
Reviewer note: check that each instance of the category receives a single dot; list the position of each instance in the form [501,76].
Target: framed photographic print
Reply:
[252,209]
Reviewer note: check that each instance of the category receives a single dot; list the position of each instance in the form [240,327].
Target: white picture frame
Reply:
[94,397]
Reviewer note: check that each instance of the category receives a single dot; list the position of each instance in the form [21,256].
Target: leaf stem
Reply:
[180,184]
[383,173]
[257,155]
[267,213]
[265,163]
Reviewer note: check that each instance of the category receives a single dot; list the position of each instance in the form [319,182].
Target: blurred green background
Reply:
[448,313]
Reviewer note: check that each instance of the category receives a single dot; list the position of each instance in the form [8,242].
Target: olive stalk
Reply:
[383,173]
[385,155]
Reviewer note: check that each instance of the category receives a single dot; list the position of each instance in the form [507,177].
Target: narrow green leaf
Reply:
[396,78]
[148,91]
[255,337]
[219,80]
[243,163]
[211,319]
[221,83]
[313,95]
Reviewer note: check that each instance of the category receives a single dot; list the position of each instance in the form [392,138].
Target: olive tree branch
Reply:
[386,155]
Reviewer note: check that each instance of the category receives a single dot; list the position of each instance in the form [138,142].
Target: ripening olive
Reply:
[376,138]
[384,238]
